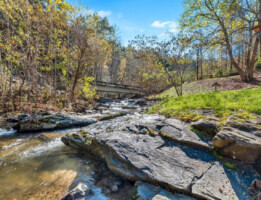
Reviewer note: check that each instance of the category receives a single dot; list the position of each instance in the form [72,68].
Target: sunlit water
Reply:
[40,166]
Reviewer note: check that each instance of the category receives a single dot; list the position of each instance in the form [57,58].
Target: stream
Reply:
[40,166]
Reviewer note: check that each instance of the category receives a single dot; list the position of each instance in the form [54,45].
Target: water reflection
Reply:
[40,167]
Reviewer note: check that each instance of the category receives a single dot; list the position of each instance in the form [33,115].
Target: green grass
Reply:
[188,88]
[224,104]
[230,165]
[192,88]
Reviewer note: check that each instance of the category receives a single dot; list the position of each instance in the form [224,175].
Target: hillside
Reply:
[201,86]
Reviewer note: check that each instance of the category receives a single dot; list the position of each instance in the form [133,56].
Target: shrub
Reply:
[218,73]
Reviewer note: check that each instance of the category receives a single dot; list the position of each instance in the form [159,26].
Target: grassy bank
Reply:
[224,104]
[203,86]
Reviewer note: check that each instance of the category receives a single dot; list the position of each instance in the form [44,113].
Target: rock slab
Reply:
[62,121]
[238,144]
[153,159]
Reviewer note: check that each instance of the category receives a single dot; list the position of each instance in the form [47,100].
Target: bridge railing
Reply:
[116,85]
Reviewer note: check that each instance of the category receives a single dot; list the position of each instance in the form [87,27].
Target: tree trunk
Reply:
[243,74]
[76,77]
[197,63]
[201,64]
[249,73]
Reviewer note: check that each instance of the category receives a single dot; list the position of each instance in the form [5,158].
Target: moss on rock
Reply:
[226,163]
[151,132]
[203,134]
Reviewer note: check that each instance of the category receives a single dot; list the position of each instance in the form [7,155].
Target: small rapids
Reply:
[5,132]
[41,149]
[40,166]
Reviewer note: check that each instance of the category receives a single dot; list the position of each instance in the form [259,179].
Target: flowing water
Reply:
[40,166]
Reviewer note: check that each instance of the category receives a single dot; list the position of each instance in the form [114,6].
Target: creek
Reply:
[39,166]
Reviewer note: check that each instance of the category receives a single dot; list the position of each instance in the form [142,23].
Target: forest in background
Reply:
[50,52]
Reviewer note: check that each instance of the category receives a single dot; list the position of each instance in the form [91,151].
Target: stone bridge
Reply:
[117,88]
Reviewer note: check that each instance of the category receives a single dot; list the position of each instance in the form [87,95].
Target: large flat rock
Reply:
[138,155]
[207,185]
[52,122]
[62,121]
[153,125]
[180,131]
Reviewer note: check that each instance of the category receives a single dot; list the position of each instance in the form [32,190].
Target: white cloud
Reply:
[171,25]
[103,13]
[158,24]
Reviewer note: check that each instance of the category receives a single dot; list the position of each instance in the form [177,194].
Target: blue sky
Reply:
[133,17]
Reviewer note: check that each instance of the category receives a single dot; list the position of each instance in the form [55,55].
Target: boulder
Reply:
[160,197]
[79,191]
[62,120]
[51,122]
[153,159]
[107,181]
[255,190]
[114,188]
[141,102]
[247,125]
[238,144]
[207,126]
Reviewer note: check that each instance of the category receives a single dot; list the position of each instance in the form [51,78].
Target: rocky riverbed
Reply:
[122,153]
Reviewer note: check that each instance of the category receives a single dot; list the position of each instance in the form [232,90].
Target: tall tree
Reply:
[213,18]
